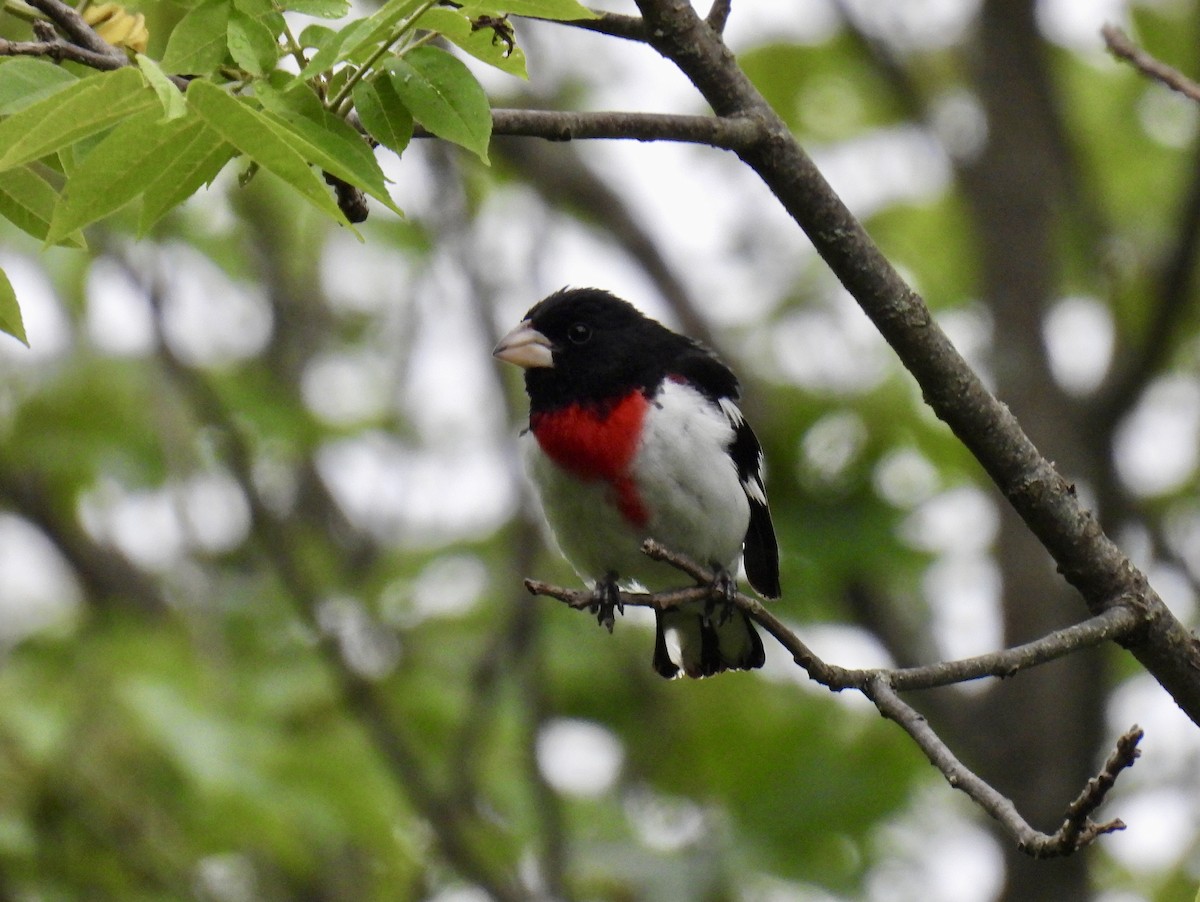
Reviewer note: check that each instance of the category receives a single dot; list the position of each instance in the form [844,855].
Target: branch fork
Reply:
[883,687]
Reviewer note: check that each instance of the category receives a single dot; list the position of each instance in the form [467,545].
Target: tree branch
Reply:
[631,28]
[72,24]
[1077,830]
[1177,275]
[1120,46]
[718,15]
[728,133]
[882,687]
[1048,504]
[59,50]
[108,577]
[1113,625]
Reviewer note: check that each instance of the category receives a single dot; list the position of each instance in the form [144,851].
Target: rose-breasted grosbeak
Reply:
[635,435]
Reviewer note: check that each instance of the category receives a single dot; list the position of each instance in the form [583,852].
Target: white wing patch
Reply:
[754,487]
[687,479]
[752,481]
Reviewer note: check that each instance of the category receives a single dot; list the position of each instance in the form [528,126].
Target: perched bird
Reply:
[636,434]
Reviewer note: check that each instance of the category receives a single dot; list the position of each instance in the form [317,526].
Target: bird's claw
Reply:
[722,594]
[606,600]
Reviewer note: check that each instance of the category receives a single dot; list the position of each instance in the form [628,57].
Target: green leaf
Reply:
[322,9]
[329,50]
[383,114]
[27,200]
[264,12]
[385,22]
[251,43]
[117,170]
[482,43]
[341,153]
[10,313]
[194,157]
[444,96]
[357,35]
[25,81]
[325,139]
[174,106]
[560,10]
[254,135]
[316,36]
[199,43]
[84,108]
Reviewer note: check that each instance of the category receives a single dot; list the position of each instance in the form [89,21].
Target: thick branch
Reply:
[1047,503]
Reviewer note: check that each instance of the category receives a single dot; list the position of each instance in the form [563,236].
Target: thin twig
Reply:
[1113,625]
[1077,830]
[59,50]
[727,133]
[718,15]
[72,24]
[1172,299]
[616,25]
[1122,47]
[1080,811]
[882,687]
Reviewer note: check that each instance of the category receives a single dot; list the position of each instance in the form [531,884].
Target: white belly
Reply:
[685,479]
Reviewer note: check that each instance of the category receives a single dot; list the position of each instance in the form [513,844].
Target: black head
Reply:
[584,345]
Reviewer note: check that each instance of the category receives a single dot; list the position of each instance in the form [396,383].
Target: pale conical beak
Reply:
[525,346]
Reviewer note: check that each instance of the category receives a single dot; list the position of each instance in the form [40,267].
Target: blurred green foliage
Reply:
[326,706]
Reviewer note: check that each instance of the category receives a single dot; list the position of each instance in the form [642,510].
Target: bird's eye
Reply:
[579,333]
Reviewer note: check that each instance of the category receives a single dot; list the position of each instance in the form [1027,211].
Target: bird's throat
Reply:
[597,442]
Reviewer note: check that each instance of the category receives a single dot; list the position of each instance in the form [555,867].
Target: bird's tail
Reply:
[690,642]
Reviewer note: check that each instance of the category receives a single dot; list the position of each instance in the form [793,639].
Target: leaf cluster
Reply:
[234,83]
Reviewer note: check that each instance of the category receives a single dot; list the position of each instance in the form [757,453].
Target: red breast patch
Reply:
[597,442]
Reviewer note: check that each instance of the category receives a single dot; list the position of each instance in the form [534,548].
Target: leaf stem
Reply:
[336,102]
[21,11]
[297,52]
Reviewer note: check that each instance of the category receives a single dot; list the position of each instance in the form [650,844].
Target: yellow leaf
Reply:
[118,26]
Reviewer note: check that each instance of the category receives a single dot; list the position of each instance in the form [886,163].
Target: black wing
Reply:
[716,381]
[760,550]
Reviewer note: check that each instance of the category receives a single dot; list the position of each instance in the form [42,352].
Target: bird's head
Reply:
[584,344]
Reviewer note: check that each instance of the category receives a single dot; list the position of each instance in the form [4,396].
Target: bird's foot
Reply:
[722,592]
[606,599]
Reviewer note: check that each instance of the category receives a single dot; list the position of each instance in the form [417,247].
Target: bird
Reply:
[634,433]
